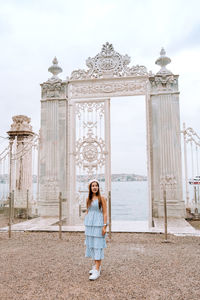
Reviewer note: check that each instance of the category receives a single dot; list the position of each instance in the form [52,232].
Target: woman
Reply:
[95,227]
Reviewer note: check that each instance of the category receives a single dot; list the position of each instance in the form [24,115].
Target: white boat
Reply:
[195,180]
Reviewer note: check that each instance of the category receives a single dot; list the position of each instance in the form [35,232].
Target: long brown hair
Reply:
[90,194]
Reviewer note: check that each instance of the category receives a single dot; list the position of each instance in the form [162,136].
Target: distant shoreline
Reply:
[117,177]
[123,177]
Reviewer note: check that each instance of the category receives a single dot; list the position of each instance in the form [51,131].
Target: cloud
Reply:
[33,32]
[188,40]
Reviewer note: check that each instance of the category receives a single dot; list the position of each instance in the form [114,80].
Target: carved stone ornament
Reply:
[54,87]
[111,87]
[168,180]
[21,123]
[163,61]
[169,184]
[55,69]
[164,80]
[108,63]
[164,83]
[50,189]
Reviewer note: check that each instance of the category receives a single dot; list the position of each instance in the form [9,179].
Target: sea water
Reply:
[129,200]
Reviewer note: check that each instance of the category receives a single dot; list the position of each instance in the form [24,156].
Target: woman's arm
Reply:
[104,208]
[86,206]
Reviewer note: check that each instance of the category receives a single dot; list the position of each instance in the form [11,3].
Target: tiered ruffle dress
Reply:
[94,240]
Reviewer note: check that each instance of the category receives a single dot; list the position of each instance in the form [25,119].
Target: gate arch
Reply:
[109,75]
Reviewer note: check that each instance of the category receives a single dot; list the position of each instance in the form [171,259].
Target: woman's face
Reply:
[94,187]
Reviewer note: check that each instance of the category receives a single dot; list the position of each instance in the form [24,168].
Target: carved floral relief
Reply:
[108,63]
[53,88]
[21,123]
[168,83]
[111,88]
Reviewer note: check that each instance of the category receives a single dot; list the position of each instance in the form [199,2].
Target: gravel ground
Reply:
[136,266]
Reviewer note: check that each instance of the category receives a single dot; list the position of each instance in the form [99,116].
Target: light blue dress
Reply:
[94,240]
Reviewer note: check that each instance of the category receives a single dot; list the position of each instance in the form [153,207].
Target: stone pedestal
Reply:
[20,136]
[166,143]
[52,150]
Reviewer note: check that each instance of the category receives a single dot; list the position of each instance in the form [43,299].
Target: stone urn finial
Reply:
[55,69]
[163,61]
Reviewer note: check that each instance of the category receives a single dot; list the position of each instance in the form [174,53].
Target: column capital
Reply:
[20,127]
[164,83]
[54,87]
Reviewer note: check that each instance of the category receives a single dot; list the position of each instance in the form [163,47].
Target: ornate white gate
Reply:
[191,170]
[79,152]
[90,132]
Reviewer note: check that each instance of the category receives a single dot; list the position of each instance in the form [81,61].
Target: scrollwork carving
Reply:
[164,83]
[50,189]
[21,123]
[108,63]
[89,107]
[53,88]
[114,87]
[136,71]
[169,184]
[90,153]
[90,148]
[168,180]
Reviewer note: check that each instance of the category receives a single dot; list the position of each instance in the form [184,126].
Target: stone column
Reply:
[166,143]
[20,136]
[52,156]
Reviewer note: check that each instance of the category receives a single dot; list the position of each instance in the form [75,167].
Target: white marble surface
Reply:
[58,155]
[175,226]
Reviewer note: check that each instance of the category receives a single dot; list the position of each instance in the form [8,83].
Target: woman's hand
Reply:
[104,230]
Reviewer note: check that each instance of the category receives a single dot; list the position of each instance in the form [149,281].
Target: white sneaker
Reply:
[93,268]
[95,275]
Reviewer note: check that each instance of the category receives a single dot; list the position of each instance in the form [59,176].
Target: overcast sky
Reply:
[33,32]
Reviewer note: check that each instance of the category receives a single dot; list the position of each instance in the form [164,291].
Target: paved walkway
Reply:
[175,226]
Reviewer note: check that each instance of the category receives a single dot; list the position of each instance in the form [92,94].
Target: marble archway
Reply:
[109,75]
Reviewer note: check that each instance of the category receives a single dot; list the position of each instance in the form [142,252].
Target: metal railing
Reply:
[191,159]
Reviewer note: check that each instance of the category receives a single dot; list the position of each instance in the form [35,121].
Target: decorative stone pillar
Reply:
[166,143]
[21,164]
[52,151]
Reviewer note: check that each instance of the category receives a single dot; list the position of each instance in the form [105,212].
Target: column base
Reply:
[48,209]
[174,209]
